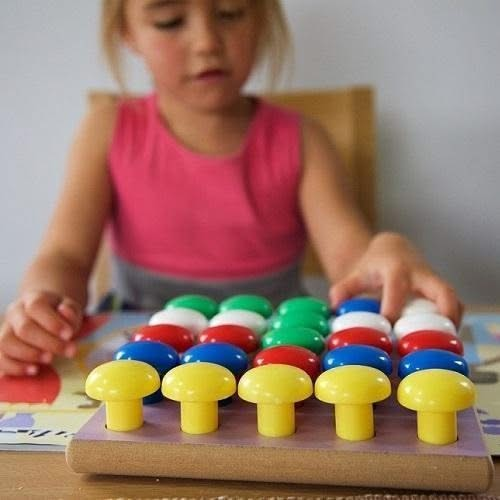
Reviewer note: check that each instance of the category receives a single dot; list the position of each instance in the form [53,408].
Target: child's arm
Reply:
[354,259]
[53,293]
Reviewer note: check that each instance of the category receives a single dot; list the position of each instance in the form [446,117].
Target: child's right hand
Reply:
[37,326]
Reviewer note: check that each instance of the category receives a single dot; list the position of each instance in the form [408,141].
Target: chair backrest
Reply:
[348,115]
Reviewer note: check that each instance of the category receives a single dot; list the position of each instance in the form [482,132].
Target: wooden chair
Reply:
[348,115]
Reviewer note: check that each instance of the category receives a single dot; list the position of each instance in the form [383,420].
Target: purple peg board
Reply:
[394,458]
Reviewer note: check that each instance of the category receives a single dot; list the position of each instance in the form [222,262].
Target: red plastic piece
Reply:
[430,339]
[175,336]
[41,388]
[91,323]
[360,335]
[240,336]
[290,355]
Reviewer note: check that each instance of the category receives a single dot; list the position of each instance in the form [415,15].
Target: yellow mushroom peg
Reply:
[353,389]
[121,385]
[436,395]
[275,388]
[198,387]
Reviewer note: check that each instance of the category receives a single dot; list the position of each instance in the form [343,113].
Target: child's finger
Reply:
[434,288]
[16,349]
[37,308]
[395,291]
[346,288]
[9,366]
[71,312]
[449,305]
[34,335]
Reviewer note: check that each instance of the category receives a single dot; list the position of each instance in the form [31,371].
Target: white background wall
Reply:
[435,65]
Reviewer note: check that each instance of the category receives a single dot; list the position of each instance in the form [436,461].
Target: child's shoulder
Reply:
[277,122]
[108,104]
[98,122]
[106,110]
[102,107]
[277,112]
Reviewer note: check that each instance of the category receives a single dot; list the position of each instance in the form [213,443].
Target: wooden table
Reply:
[46,475]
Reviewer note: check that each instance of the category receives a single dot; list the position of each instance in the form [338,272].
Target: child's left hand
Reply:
[391,264]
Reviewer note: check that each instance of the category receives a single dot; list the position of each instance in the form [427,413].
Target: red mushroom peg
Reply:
[292,355]
[175,336]
[430,339]
[237,335]
[360,336]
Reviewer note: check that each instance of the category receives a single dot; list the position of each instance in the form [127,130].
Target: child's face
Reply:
[198,51]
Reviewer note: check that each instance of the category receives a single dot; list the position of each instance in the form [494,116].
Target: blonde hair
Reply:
[274,46]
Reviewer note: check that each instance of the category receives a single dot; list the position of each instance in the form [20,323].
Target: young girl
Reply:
[203,189]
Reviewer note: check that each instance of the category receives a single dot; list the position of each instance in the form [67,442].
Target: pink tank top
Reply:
[185,214]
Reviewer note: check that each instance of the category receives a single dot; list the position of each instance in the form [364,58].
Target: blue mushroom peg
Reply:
[220,353]
[366,304]
[364,355]
[160,356]
[426,359]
